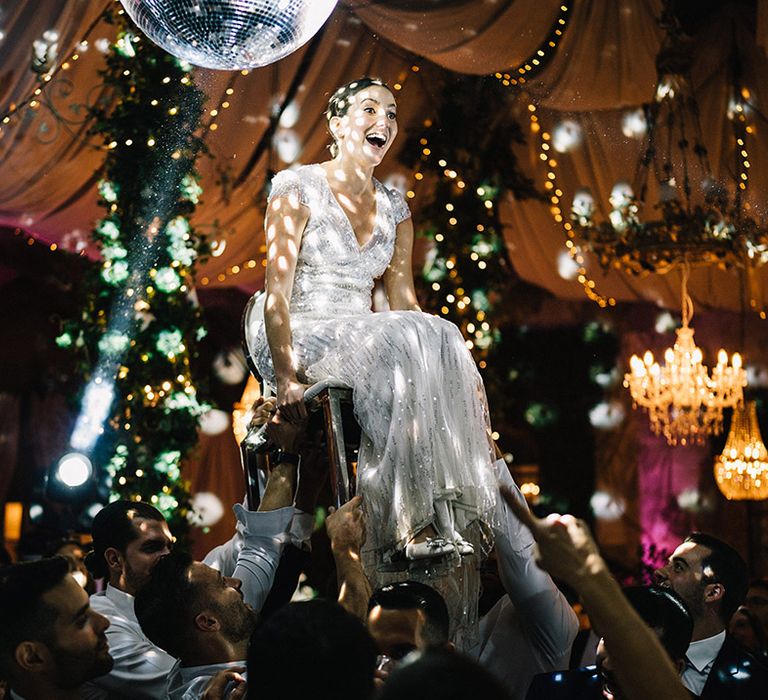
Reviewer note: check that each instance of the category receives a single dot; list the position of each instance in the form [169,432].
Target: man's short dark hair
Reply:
[414,595]
[164,605]
[113,527]
[311,649]
[24,616]
[666,614]
[447,675]
[726,567]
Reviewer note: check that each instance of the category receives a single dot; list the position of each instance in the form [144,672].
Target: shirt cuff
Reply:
[274,524]
[302,527]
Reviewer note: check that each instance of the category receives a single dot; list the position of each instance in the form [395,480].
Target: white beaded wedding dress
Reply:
[417,394]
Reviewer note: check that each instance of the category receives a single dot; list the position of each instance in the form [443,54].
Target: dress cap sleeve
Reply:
[400,209]
[287,183]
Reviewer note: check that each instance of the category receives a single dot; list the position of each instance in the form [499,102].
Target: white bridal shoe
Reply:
[431,547]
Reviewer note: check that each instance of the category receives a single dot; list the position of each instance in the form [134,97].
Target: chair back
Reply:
[251,328]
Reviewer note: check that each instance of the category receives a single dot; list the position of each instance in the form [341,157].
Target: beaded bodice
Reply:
[334,273]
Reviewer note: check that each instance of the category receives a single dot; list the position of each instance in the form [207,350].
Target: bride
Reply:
[425,462]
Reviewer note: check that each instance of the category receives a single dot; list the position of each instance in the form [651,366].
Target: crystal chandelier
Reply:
[741,471]
[700,219]
[684,403]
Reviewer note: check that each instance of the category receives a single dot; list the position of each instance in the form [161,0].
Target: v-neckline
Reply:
[374,228]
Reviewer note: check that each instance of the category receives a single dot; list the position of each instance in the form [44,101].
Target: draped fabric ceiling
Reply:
[602,68]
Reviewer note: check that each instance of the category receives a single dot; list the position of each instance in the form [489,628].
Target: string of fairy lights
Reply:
[519,75]
[555,194]
[741,130]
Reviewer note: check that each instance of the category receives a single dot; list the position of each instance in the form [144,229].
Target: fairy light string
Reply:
[517,77]
[555,195]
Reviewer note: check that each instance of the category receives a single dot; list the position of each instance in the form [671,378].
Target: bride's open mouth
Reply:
[376,140]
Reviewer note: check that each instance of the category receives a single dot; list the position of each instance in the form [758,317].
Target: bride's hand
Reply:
[290,401]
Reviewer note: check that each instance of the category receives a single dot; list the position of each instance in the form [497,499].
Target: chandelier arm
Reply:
[687,302]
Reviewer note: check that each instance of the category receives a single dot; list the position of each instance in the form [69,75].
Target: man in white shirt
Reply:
[711,578]
[51,640]
[131,537]
[529,631]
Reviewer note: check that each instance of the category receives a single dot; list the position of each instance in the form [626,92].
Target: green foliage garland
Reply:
[141,323]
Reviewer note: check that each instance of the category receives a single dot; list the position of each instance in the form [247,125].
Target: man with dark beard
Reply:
[199,616]
[711,579]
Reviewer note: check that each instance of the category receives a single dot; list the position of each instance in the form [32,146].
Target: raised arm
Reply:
[346,530]
[285,222]
[566,549]
[398,279]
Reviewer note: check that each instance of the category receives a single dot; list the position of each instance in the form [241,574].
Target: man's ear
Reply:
[206,621]
[713,592]
[115,560]
[31,656]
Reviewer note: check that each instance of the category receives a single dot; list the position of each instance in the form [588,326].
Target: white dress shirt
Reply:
[531,629]
[699,660]
[141,669]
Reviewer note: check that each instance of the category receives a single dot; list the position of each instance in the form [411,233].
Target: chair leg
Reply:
[337,453]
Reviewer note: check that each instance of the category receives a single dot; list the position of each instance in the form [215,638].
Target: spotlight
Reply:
[74,469]
[71,478]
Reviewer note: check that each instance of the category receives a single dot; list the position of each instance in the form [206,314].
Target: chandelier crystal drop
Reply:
[684,401]
[741,471]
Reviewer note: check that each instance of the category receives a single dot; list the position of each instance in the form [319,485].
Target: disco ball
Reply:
[229,34]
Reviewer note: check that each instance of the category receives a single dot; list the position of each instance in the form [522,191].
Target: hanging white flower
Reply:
[177,229]
[115,272]
[114,343]
[182,253]
[108,191]
[170,342]
[64,340]
[607,506]
[108,229]
[190,190]
[167,460]
[206,509]
[607,415]
[110,252]
[166,504]
[167,280]
[186,401]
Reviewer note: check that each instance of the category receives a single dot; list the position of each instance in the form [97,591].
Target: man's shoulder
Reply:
[579,684]
[735,667]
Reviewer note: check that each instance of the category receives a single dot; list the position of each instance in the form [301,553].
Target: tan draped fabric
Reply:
[469,36]
[603,65]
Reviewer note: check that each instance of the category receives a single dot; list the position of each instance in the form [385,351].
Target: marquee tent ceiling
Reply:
[602,67]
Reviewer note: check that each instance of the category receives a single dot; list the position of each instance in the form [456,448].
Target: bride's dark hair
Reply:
[339,103]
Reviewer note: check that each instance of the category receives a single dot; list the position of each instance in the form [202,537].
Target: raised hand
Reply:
[217,686]
[346,526]
[290,401]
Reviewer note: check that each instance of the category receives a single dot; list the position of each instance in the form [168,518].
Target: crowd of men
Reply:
[167,626]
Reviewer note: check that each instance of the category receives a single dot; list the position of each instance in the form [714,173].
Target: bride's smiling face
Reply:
[369,127]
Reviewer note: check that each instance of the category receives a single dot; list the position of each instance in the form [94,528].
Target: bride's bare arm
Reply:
[398,279]
[285,223]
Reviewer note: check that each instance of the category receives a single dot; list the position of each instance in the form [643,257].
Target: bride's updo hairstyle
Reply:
[339,103]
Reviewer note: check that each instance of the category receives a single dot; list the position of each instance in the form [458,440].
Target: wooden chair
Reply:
[329,404]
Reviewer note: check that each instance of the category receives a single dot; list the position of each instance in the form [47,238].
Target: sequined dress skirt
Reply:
[421,404]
